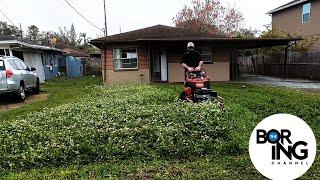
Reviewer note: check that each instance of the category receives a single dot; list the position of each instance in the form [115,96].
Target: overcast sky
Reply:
[127,14]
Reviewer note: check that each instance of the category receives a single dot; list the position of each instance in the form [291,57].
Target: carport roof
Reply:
[22,45]
[161,34]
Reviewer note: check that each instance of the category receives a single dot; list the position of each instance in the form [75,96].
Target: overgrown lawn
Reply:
[142,131]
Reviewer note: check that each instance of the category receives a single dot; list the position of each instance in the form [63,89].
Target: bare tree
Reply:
[209,16]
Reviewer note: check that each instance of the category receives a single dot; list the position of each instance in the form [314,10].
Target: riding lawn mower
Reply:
[197,89]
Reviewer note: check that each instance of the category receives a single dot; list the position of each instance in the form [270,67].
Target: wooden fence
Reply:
[92,66]
[299,65]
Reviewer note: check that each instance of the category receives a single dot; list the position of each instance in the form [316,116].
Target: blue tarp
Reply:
[70,66]
[74,67]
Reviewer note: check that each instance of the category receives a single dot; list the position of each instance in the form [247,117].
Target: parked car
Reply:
[17,78]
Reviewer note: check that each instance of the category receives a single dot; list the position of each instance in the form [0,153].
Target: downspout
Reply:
[105,63]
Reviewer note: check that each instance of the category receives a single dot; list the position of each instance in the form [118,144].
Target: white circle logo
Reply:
[282,146]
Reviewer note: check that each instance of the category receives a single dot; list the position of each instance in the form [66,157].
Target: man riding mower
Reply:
[197,84]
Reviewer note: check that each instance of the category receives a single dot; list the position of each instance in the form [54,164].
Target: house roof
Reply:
[288,5]
[13,41]
[75,52]
[7,38]
[155,32]
[166,35]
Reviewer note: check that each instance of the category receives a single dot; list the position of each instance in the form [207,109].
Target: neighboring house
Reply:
[153,54]
[72,51]
[299,17]
[44,59]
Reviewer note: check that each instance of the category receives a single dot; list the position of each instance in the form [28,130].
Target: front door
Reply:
[159,65]
[164,66]
[3,78]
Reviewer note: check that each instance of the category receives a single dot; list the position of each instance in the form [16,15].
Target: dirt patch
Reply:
[9,104]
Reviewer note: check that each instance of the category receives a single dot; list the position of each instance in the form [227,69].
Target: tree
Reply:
[68,36]
[83,41]
[63,35]
[48,38]
[209,16]
[301,46]
[33,34]
[73,36]
[8,30]
[246,33]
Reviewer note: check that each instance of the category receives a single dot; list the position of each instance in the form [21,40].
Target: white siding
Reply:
[33,59]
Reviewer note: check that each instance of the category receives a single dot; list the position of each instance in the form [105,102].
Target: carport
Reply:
[44,59]
[254,43]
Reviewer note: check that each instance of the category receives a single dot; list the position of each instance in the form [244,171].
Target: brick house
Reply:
[153,54]
[298,17]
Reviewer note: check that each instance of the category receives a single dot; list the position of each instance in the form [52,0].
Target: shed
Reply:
[43,58]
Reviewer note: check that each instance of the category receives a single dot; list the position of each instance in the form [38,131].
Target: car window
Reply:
[2,66]
[24,66]
[13,65]
[18,64]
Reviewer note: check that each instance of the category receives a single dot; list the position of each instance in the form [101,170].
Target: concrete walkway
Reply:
[273,81]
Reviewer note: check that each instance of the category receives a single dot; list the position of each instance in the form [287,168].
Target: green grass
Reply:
[60,91]
[246,106]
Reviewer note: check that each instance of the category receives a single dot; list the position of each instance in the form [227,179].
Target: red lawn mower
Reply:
[197,89]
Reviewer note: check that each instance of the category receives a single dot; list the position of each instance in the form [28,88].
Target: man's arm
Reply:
[187,67]
[199,66]
[184,65]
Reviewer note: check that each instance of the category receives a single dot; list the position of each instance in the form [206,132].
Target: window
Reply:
[24,66]
[13,65]
[2,66]
[306,13]
[125,59]
[206,55]
[20,65]
[4,52]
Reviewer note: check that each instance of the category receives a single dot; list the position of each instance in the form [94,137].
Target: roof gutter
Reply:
[31,46]
[286,6]
[196,39]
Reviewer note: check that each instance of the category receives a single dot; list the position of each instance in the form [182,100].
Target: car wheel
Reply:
[21,95]
[37,88]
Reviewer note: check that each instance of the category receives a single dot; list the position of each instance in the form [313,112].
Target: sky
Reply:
[122,15]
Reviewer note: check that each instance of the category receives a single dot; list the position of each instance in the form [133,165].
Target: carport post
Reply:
[285,62]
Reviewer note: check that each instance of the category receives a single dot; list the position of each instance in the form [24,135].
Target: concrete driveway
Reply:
[273,81]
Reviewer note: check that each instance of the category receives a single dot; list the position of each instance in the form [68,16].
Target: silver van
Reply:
[16,78]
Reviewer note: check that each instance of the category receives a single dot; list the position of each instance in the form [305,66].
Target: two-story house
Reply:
[298,17]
